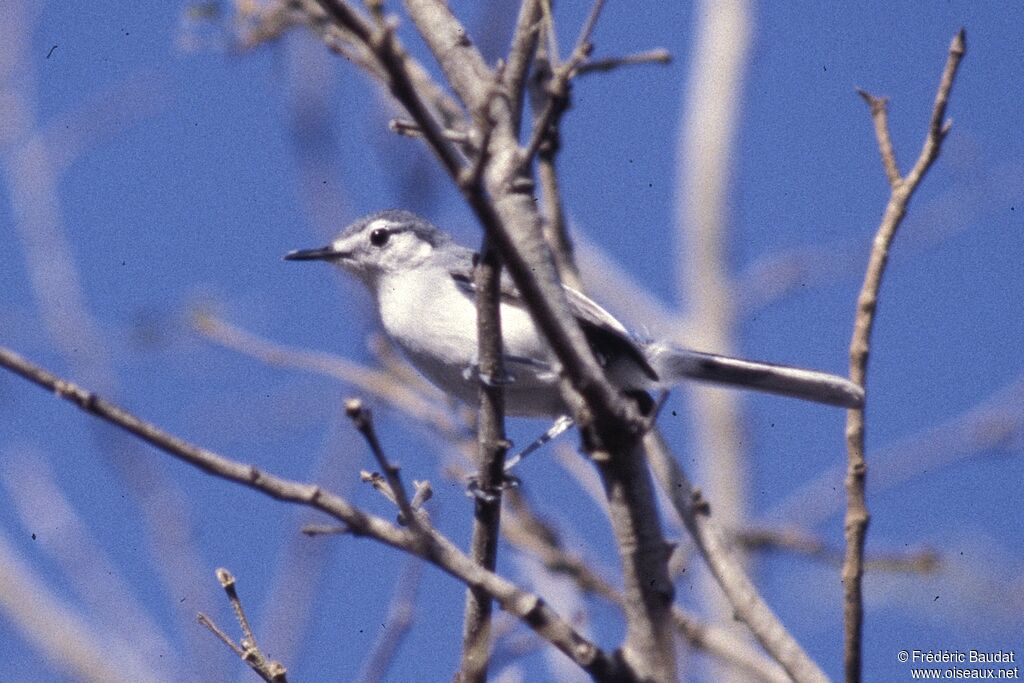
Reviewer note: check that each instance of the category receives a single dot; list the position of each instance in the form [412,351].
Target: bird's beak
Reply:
[327,253]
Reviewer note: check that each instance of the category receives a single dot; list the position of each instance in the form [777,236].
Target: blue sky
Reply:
[183,171]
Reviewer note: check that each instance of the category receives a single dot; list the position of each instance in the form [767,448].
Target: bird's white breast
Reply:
[434,323]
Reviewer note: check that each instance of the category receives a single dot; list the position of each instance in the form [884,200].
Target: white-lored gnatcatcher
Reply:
[422,282]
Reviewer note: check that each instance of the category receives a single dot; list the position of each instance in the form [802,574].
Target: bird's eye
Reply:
[379,237]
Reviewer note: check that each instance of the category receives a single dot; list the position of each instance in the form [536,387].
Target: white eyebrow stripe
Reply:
[379,223]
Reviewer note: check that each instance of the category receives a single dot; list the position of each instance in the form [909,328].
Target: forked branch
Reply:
[428,544]
[857,516]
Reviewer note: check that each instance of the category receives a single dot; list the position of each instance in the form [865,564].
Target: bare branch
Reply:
[520,56]
[644,554]
[939,127]
[438,550]
[556,232]
[796,541]
[857,517]
[550,35]
[247,649]
[491,448]
[657,56]
[363,420]
[880,116]
[219,634]
[747,604]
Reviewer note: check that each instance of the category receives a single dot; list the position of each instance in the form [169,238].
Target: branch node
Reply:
[423,493]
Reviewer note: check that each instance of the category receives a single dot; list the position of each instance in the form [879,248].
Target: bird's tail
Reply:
[673,364]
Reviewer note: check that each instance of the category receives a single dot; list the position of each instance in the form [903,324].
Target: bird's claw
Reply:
[490,494]
[487,379]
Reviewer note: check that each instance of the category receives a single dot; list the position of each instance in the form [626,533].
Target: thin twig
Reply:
[556,232]
[857,516]
[520,56]
[550,36]
[880,117]
[221,636]
[558,86]
[247,650]
[792,540]
[657,56]
[227,582]
[716,549]
[362,418]
[431,546]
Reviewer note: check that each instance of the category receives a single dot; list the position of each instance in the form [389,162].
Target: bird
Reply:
[422,283]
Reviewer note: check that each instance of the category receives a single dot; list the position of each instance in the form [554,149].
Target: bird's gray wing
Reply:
[608,338]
